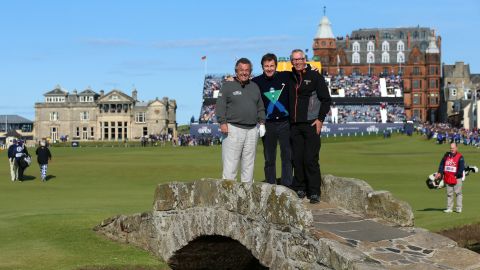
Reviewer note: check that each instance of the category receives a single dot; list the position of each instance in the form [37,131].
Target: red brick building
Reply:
[413,52]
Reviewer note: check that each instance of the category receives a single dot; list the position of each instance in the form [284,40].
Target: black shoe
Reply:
[314,199]
[301,194]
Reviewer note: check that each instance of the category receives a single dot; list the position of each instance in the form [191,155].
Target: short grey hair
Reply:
[295,51]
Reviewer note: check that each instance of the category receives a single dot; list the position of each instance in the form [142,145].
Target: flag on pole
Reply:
[204,57]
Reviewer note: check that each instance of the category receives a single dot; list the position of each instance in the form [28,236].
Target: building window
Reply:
[145,131]
[356,58]
[370,58]
[453,92]
[400,46]
[401,70]
[84,133]
[433,83]
[140,117]
[415,84]
[92,133]
[400,57]
[84,116]
[416,99]
[385,46]
[385,70]
[370,46]
[434,99]
[416,71]
[54,134]
[54,116]
[417,114]
[77,132]
[356,46]
[356,71]
[385,57]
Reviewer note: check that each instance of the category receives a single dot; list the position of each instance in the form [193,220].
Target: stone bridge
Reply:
[214,224]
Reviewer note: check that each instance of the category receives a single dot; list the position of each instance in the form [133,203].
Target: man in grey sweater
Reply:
[239,109]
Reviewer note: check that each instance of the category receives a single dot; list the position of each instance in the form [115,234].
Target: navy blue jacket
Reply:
[275,110]
[43,155]
[460,168]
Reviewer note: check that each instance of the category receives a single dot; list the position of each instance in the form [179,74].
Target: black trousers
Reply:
[277,132]
[306,149]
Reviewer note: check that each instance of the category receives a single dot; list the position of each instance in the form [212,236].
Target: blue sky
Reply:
[156,46]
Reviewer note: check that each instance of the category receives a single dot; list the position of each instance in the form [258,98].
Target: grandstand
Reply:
[362,103]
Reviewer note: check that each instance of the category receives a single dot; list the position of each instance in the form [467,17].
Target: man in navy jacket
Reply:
[274,88]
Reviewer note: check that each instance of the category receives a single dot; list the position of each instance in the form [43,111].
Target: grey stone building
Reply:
[98,116]
[461,95]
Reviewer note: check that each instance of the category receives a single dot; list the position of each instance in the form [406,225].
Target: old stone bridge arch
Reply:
[269,222]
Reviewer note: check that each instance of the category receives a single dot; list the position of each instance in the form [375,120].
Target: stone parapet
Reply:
[358,196]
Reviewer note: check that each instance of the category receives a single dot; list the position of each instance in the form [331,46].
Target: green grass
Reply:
[49,225]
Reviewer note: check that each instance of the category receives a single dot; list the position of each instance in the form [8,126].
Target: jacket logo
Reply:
[237,93]
[307,81]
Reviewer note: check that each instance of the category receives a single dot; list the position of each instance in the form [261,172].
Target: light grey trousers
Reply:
[457,190]
[13,169]
[239,146]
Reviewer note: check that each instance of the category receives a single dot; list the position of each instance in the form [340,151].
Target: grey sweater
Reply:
[241,106]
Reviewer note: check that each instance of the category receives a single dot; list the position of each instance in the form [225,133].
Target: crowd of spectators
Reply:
[207,114]
[368,114]
[444,133]
[363,85]
[213,83]
[205,140]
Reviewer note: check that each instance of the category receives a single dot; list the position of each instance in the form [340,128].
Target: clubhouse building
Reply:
[114,116]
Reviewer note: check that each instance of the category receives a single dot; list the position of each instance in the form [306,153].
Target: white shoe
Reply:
[447,210]
[459,210]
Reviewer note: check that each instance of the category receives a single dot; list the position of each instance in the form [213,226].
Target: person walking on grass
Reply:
[12,161]
[43,156]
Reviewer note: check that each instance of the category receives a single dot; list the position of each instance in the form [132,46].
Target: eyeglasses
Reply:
[298,59]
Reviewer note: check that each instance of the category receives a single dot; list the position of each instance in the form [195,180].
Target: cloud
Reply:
[106,42]
[222,43]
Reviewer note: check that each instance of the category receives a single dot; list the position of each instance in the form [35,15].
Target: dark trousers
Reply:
[277,132]
[306,149]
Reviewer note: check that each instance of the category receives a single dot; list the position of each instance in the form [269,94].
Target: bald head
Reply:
[453,148]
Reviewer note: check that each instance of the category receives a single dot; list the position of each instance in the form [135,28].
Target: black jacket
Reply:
[309,97]
[278,109]
[43,155]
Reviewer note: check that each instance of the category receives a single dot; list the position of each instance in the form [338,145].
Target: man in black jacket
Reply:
[274,88]
[43,156]
[309,104]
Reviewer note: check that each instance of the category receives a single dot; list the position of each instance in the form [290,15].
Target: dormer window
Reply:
[400,46]
[370,46]
[54,99]
[356,46]
[385,46]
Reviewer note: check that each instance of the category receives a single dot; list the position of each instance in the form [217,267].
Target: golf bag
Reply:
[433,183]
